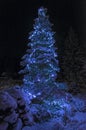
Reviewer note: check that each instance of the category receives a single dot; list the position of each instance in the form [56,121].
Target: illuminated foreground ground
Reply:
[19,111]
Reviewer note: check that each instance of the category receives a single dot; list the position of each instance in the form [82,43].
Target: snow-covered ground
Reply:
[68,112]
[63,112]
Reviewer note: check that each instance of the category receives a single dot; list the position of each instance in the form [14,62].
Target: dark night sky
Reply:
[17,18]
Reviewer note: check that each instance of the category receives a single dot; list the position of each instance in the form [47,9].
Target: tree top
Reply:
[42,11]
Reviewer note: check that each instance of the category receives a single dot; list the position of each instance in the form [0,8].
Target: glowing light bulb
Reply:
[52,75]
[38,79]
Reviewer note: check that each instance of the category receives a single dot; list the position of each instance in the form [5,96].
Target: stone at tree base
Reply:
[3,126]
[6,101]
[18,125]
[12,118]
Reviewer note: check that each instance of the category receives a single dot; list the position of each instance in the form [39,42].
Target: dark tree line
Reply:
[73,67]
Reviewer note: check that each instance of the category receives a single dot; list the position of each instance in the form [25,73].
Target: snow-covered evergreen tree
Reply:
[73,59]
[40,63]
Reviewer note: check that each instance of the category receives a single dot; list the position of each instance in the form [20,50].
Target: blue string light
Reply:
[40,62]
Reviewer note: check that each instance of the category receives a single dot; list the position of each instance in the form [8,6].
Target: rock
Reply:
[3,126]
[6,101]
[18,125]
[12,118]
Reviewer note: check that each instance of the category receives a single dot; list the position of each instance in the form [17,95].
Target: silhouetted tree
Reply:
[72,60]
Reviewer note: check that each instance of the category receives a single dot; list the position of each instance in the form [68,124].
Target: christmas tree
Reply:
[40,63]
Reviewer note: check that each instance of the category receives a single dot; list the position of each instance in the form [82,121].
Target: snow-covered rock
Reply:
[7,101]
